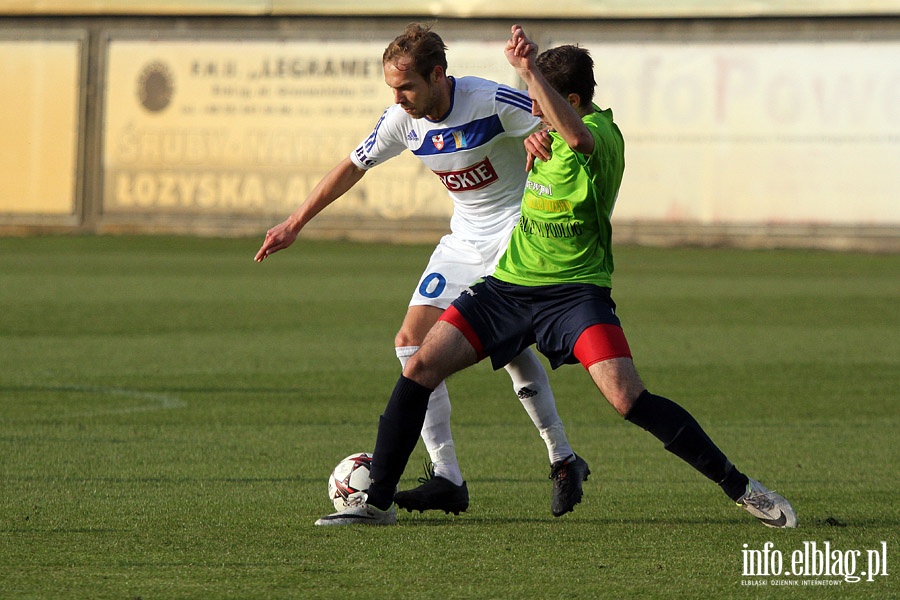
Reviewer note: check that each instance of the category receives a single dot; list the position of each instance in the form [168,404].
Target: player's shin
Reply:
[398,433]
[683,437]
[436,432]
[532,386]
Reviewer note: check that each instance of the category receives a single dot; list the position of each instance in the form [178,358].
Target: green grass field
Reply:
[171,411]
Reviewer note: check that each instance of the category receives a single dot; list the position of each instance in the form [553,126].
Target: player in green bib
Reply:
[552,288]
[564,234]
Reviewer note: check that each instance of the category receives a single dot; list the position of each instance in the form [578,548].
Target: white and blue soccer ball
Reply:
[350,476]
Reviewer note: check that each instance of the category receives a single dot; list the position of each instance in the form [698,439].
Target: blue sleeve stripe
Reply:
[370,141]
[514,98]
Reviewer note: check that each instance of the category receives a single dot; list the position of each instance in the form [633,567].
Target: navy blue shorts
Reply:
[508,318]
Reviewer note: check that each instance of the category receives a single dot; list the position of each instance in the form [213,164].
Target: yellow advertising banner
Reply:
[716,132]
[250,126]
[749,132]
[39,121]
[137,7]
[520,9]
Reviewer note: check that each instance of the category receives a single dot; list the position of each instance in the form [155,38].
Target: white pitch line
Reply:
[154,401]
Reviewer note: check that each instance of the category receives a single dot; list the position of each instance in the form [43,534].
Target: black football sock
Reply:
[682,436]
[398,432]
[735,484]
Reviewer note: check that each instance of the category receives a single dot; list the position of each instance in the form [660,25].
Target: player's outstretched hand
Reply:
[278,238]
[520,51]
[537,145]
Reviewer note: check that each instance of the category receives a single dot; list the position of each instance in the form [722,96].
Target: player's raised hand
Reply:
[278,238]
[520,50]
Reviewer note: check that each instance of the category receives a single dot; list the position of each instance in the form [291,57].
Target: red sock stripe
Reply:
[601,342]
[452,316]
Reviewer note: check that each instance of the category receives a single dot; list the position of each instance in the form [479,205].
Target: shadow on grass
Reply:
[738,520]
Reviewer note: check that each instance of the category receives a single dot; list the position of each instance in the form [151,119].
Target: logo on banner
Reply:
[155,86]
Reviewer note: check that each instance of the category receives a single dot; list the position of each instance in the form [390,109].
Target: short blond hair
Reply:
[419,43]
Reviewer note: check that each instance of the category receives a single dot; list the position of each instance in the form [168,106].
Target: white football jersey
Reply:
[476,150]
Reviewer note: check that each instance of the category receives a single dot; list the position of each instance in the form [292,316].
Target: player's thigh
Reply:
[618,381]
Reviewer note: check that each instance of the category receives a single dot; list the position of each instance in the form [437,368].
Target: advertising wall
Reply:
[223,126]
[745,132]
[39,118]
[519,9]
[249,127]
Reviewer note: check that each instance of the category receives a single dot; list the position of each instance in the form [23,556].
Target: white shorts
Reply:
[454,265]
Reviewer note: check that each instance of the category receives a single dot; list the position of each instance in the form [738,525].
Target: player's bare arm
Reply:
[556,111]
[335,184]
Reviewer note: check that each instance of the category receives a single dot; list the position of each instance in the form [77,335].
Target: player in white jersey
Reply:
[469,132]
[476,150]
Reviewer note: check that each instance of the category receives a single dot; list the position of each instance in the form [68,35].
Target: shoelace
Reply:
[560,469]
[559,472]
[429,472]
[762,502]
[356,499]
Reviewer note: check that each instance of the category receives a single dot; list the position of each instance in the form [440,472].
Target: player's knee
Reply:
[419,370]
[619,383]
[621,402]
[625,402]
[622,395]
[405,338]
[400,340]
[626,395]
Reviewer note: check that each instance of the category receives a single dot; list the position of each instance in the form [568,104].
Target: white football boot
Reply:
[772,509]
[360,513]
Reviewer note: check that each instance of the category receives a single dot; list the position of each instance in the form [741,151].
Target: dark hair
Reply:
[423,46]
[569,70]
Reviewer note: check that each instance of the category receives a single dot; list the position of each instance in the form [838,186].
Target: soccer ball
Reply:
[349,476]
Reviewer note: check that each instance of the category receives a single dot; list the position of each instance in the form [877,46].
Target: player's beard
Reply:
[428,108]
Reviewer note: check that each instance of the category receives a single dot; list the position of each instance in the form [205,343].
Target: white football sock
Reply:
[436,429]
[532,386]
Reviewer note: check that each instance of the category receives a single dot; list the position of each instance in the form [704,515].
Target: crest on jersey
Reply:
[438,141]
